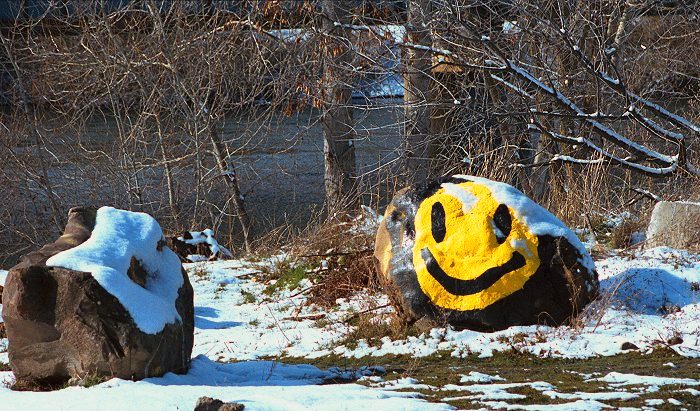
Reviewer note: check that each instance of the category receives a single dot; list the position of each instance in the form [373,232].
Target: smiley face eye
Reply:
[437,218]
[502,223]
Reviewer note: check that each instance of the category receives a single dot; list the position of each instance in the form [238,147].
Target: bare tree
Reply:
[418,145]
[337,119]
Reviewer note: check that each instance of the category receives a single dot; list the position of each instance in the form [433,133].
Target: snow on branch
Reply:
[569,159]
[617,86]
[625,162]
[512,86]
[601,129]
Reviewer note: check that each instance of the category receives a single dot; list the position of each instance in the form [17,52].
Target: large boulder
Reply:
[675,224]
[479,254]
[107,299]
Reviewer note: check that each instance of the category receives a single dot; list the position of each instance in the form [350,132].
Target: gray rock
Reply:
[212,404]
[62,324]
[675,224]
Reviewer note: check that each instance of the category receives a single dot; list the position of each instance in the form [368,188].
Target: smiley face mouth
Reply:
[459,287]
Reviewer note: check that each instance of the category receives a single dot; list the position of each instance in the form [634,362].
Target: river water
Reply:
[283,177]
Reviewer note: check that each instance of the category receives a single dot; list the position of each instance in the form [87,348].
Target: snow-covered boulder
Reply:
[675,224]
[479,254]
[107,298]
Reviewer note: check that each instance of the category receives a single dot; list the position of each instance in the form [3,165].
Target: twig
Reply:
[305,317]
[278,325]
[302,291]
[365,312]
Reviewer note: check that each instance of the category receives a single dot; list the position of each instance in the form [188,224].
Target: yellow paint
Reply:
[470,248]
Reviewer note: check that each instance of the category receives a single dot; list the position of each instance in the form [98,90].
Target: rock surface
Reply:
[675,224]
[62,323]
[212,404]
[480,255]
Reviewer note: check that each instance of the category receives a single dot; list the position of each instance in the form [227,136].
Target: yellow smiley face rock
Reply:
[481,255]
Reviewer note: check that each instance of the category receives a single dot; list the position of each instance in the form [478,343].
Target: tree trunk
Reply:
[337,120]
[417,147]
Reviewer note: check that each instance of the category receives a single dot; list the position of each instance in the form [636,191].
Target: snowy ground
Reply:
[656,303]
[653,302]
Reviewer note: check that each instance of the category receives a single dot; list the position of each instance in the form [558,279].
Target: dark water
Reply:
[279,163]
[282,176]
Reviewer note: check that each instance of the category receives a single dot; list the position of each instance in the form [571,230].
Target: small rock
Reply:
[674,224]
[675,340]
[212,404]
[628,346]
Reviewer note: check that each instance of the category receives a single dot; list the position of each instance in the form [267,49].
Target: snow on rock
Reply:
[259,385]
[475,250]
[235,321]
[118,236]
[206,237]
[538,220]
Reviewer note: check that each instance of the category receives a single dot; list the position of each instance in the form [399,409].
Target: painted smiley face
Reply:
[470,251]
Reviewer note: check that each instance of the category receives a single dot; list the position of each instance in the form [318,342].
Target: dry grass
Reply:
[336,256]
[372,327]
[621,235]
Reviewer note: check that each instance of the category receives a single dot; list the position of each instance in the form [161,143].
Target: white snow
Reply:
[467,199]
[235,321]
[667,114]
[616,379]
[497,388]
[598,396]
[229,328]
[117,237]
[259,385]
[405,383]
[580,405]
[511,27]
[512,86]
[3,276]
[481,378]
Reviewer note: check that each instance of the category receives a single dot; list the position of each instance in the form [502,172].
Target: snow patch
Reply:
[467,199]
[480,378]
[617,379]
[258,385]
